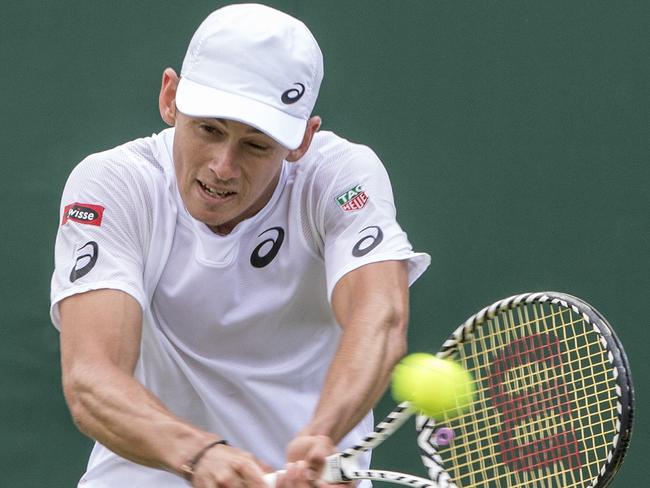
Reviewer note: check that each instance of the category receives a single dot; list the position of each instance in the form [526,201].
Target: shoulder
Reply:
[330,152]
[333,165]
[135,165]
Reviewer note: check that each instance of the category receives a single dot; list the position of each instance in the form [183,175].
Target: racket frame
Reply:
[615,353]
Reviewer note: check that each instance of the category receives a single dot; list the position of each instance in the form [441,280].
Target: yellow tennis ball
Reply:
[436,387]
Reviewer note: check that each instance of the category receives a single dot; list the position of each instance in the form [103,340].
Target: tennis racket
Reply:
[553,408]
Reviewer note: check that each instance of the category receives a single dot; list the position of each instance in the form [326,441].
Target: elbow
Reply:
[75,390]
[397,349]
[397,326]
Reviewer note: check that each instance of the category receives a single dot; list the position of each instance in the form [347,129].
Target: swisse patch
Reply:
[84,213]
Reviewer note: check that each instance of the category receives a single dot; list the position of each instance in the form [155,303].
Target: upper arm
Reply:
[98,283]
[375,294]
[100,328]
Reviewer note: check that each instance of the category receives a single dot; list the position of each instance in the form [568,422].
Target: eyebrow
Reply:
[227,121]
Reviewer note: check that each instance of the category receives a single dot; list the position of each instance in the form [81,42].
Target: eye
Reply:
[210,129]
[257,146]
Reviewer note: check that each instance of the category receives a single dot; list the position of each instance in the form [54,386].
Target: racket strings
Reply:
[546,401]
[483,428]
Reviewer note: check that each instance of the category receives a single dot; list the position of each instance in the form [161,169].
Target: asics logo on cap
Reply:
[292,95]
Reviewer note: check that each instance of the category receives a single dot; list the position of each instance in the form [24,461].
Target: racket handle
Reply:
[332,471]
[272,478]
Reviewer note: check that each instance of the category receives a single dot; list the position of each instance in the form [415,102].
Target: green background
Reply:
[516,134]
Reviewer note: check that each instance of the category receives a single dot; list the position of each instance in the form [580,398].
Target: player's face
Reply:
[226,171]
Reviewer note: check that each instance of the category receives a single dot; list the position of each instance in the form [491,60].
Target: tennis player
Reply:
[231,293]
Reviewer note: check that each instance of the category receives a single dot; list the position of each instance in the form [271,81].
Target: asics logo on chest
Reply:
[266,250]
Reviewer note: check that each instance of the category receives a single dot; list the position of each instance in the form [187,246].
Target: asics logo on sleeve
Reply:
[86,259]
[368,242]
[83,213]
[292,95]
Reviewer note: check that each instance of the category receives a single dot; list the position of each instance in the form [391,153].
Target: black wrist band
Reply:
[187,469]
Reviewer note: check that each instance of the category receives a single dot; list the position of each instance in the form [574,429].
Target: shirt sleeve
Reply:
[357,217]
[102,233]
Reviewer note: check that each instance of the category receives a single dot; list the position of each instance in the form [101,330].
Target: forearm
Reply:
[371,304]
[357,378]
[100,345]
[115,409]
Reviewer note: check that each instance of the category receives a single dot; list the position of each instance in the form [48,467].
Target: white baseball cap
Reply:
[255,65]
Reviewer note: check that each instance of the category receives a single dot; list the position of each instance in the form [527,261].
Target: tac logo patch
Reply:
[353,199]
[84,213]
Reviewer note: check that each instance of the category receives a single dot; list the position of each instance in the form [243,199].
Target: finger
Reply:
[266,468]
[250,472]
[296,476]
[316,456]
[229,479]
[323,484]
[223,477]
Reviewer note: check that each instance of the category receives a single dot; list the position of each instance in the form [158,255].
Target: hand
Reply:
[305,461]
[229,467]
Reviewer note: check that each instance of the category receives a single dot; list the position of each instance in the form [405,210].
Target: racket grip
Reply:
[332,471]
[271,479]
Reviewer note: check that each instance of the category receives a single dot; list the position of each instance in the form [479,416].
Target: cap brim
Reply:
[198,100]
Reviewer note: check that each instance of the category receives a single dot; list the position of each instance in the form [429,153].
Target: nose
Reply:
[224,163]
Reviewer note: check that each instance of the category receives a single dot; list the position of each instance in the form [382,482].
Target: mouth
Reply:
[215,193]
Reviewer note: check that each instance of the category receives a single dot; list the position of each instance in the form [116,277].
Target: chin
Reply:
[207,219]
[198,212]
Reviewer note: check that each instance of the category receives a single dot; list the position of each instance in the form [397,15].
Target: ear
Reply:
[313,124]
[167,97]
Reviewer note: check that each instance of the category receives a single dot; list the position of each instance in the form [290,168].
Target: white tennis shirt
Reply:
[238,332]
